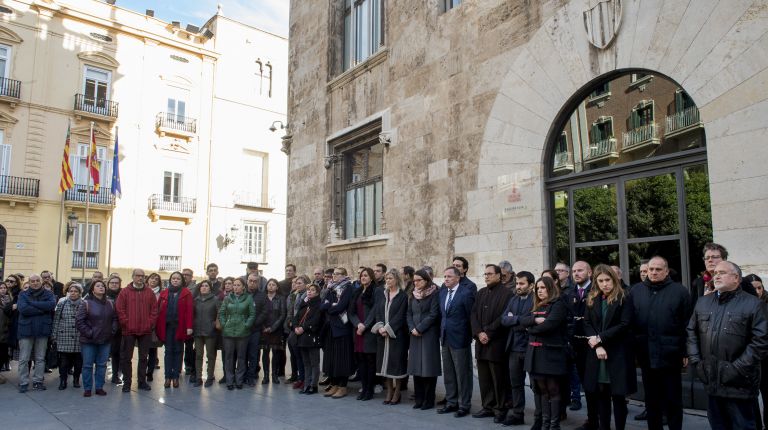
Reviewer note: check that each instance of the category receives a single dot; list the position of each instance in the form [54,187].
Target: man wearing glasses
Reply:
[137,310]
[704,285]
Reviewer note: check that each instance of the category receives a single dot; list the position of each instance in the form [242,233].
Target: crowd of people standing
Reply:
[572,328]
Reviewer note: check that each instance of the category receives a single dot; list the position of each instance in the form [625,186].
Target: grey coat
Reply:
[206,312]
[424,353]
[64,332]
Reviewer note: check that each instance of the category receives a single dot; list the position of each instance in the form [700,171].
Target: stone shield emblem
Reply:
[602,22]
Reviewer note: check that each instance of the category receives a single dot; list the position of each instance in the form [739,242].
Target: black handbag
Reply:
[52,356]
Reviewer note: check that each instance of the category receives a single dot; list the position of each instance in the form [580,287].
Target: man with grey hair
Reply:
[34,305]
[136,308]
[727,339]
[507,275]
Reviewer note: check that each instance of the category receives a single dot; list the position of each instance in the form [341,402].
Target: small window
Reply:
[600,90]
[602,130]
[252,191]
[81,255]
[254,242]
[641,116]
[172,187]
[450,4]
[5,156]
[363,30]
[363,191]
[5,62]
[96,87]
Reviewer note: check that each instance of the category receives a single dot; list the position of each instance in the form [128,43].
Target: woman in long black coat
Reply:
[610,368]
[337,358]
[307,324]
[424,351]
[546,358]
[392,330]
[361,315]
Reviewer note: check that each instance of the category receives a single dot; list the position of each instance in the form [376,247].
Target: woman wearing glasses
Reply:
[338,361]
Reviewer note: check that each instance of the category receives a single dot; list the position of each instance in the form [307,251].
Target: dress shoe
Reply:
[198,383]
[341,392]
[239,386]
[427,406]
[291,380]
[100,392]
[575,405]
[126,388]
[230,387]
[150,378]
[447,409]
[298,385]
[461,413]
[441,402]
[311,390]
[265,381]
[208,382]
[367,396]
[330,390]
[498,419]
[63,385]
[23,388]
[417,405]
[175,383]
[167,383]
[38,386]
[144,386]
[483,413]
[513,421]
[76,382]
[223,380]
[354,378]
[117,380]
[87,393]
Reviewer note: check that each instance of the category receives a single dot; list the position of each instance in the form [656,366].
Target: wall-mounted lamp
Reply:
[71,225]
[230,237]
[281,126]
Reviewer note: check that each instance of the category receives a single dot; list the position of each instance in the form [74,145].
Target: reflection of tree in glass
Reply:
[699,215]
[594,211]
[595,255]
[562,241]
[652,206]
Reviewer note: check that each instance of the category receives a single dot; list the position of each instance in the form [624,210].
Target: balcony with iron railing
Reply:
[173,207]
[170,263]
[176,125]
[78,194]
[563,162]
[640,137]
[683,121]
[91,260]
[601,150]
[10,90]
[25,188]
[91,107]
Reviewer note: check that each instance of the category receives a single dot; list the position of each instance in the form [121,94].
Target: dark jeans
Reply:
[730,414]
[311,359]
[235,349]
[94,355]
[70,361]
[424,390]
[152,361]
[126,357]
[604,401]
[252,357]
[173,352]
[663,392]
[114,353]
[366,370]
[189,356]
[205,344]
[266,352]
[517,383]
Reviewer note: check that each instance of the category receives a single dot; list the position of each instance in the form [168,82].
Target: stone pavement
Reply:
[263,407]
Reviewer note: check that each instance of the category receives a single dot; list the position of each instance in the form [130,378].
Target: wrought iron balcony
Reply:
[79,193]
[168,123]
[10,88]
[641,137]
[91,260]
[170,263]
[563,162]
[15,186]
[682,121]
[174,207]
[601,150]
[97,108]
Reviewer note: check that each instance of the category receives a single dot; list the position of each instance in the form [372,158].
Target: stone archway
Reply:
[716,50]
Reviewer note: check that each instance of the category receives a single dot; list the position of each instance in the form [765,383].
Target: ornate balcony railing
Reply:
[172,203]
[601,149]
[10,88]
[13,185]
[682,119]
[78,193]
[92,105]
[563,160]
[640,135]
[91,260]
[176,123]
[170,263]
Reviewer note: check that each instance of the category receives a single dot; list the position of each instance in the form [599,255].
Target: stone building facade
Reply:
[465,106]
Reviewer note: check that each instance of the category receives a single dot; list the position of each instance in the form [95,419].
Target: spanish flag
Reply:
[93,162]
[66,172]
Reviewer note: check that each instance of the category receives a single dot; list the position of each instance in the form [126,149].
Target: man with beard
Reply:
[507,275]
[517,343]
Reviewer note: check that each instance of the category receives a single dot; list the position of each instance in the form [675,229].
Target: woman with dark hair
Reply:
[6,307]
[96,322]
[206,306]
[549,273]
[236,316]
[66,336]
[113,291]
[546,357]
[307,324]
[337,361]
[610,370]
[424,351]
[272,334]
[14,288]
[174,325]
[392,329]
[156,285]
[361,316]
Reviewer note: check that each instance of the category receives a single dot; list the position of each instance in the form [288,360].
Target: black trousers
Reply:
[493,378]
[366,370]
[114,354]
[582,349]
[424,390]
[517,382]
[604,401]
[663,393]
[126,357]
[70,361]
[189,356]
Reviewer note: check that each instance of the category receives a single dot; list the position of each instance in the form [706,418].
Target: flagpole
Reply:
[87,204]
[58,242]
[112,214]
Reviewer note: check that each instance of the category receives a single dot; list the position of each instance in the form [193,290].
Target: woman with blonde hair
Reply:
[392,327]
[610,370]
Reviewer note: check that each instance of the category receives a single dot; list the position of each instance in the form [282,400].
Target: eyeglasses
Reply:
[488,274]
[10,281]
[712,257]
[338,274]
[561,270]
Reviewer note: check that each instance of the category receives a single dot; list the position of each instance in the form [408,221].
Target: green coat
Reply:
[237,315]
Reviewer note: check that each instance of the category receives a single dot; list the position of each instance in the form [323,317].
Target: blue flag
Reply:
[116,174]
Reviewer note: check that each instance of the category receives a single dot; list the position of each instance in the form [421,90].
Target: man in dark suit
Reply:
[519,306]
[456,338]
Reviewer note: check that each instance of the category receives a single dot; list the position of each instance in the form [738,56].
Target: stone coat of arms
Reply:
[602,22]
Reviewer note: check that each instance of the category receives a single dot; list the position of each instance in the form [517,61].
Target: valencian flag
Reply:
[115,174]
[66,172]
[93,163]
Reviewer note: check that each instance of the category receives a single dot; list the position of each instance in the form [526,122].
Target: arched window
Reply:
[627,176]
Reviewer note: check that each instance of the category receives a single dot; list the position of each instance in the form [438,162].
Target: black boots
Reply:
[537,400]
[554,408]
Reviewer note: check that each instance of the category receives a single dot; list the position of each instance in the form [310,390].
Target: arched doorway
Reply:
[3,236]
[627,176]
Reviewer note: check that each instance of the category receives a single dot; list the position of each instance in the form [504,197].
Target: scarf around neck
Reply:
[423,293]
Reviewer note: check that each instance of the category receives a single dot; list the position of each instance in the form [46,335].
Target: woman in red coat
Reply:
[174,325]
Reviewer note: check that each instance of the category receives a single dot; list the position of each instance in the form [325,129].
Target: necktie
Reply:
[450,297]
[581,293]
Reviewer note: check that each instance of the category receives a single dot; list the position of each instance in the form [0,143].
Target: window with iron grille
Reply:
[254,241]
